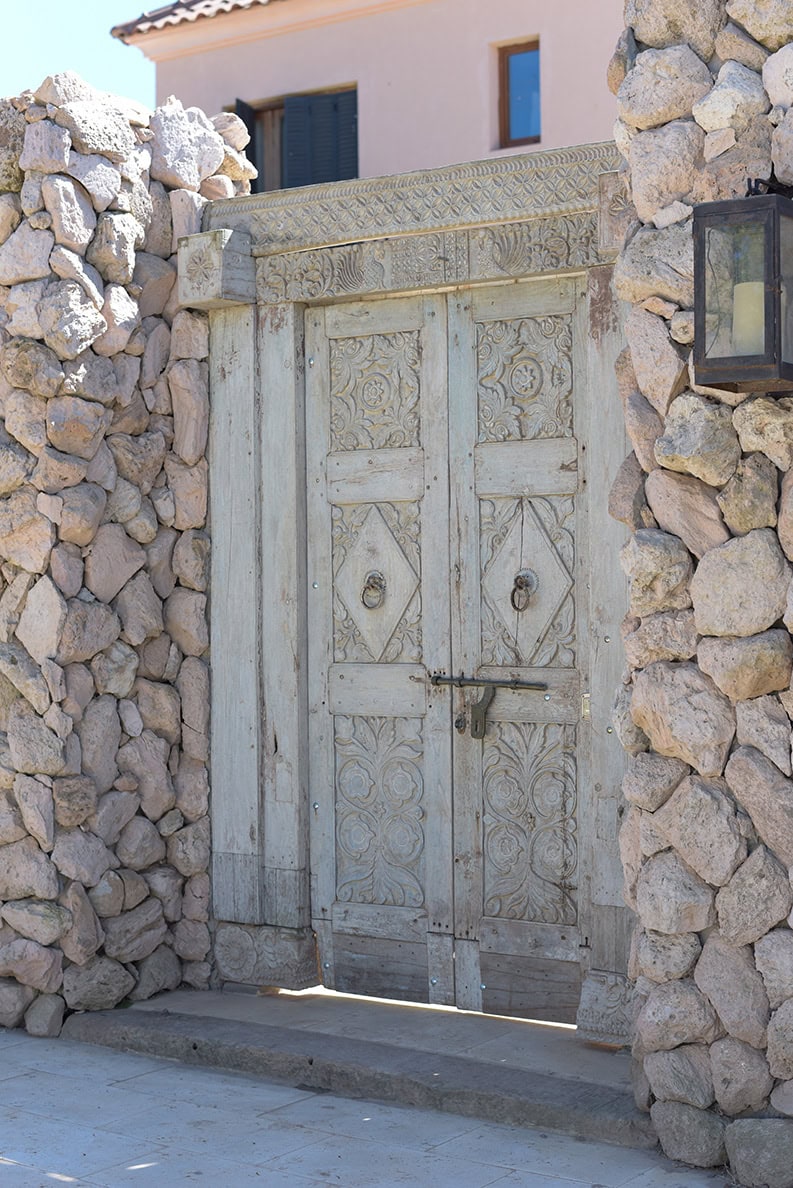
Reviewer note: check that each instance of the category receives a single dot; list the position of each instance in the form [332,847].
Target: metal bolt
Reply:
[546,697]
[609,730]
[326,965]
[433,981]
[311,362]
[607,638]
[315,806]
[482,986]
[315,585]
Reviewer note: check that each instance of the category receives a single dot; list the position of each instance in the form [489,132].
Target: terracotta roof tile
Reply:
[179,12]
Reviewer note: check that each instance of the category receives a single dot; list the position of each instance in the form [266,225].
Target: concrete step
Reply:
[316,1058]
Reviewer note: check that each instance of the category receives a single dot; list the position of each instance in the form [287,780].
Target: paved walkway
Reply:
[75,1114]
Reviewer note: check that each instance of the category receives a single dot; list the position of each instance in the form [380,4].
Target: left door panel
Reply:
[378,587]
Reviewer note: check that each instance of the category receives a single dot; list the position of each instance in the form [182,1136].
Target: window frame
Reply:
[505,52]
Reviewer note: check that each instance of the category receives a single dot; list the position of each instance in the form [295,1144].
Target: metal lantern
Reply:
[743,294]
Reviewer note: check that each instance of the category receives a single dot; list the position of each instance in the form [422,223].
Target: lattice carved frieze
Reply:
[375,387]
[385,538]
[379,811]
[416,262]
[525,381]
[536,533]
[505,189]
[530,846]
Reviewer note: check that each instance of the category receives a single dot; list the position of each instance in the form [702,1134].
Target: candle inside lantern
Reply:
[748,318]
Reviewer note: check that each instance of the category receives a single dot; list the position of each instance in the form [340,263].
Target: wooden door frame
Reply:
[257,265]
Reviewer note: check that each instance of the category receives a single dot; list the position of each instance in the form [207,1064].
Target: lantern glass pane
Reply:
[735,290]
[786,277]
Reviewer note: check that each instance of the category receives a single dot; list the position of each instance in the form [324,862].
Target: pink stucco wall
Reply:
[426,71]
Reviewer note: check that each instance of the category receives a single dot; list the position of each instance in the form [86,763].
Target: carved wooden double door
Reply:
[446,508]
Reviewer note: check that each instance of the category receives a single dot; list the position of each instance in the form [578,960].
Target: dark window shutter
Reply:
[320,138]
[248,116]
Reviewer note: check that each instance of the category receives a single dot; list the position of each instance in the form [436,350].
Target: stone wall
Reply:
[705,98]
[104,679]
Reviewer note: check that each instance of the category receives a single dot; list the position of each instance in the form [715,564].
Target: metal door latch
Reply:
[479,712]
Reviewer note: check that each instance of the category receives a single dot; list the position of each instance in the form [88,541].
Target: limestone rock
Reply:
[100,733]
[74,800]
[191,784]
[699,821]
[81,856]
[763,724]
[687,508]
[160,971]
[663,86]
[35,749]
[733,44]
[675,1013]
[114,669]
[660,23]
[20,670]
[191,940]
[773,956]
[644,427]
[659,568]
[191,560]
[740,588]
[189,335]
[757,897]
[112,250]
[37,920]
[25,255]
[670,635]
[99,985]
[11,827]
[146,758]
[186,148]
[766,424]
[69,319]
[651,779]
[778,77]
[140,845]
[749,499]
[188,849]
[626,502]
[136,934]
[26,536]
[159,706]
[699,439]
[738,95]
[42,620]
[107,897]
[100,177]
[140,610]
[659,364]
[189,487]
[760,1151]
[664,958]
[112,560]
[684,715]
[75,426]
[139,459]
[767,796]
[750,667]
[90,628]
[25,420]
[683,1074]
[741,1078]
[85,936]
[726,975]
[671,898]
[55,471]
[12,138]
[195,901]
[768,21]
[122,318]
[32,965]
[83,507]
[663,162]
[188,383]
[688,1134]
[44,1017]
[14,999]
[16,465]
[113,812]
[35,804]
[73,217]
[26,871]
[185,620]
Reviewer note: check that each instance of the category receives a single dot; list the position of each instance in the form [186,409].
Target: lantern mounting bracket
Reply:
[757,186]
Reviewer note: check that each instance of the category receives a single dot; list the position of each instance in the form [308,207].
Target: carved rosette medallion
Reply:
[531,854]
[374,400]
[525,378]
[379,811]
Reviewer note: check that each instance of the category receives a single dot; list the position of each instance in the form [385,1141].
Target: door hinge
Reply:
[586,708]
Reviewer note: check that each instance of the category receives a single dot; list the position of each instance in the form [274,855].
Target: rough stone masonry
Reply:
[705,98]
[104,679]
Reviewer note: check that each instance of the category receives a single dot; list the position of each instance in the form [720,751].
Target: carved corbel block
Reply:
[216,270]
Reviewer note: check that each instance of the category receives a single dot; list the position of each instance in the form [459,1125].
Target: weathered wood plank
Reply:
[369,476]
[394,689]
[554,941]
[363,919]
[545,467]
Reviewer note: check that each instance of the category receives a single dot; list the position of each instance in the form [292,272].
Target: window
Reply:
[519,93]
[303,139]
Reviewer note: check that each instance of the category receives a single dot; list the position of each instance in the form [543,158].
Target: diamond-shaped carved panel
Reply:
[515,537]
[376,607]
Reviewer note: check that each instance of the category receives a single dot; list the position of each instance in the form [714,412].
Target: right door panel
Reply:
[518,613]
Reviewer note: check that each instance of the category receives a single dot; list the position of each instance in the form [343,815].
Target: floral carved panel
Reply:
[531,853]
[385,538]
[536,533]
[374,394]
[379,811]
[525,378]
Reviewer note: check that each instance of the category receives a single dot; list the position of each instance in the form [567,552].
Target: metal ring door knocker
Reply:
[373,593]
[526,583]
